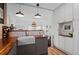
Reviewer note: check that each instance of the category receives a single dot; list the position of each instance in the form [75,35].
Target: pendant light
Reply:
[37,15]
[19,13]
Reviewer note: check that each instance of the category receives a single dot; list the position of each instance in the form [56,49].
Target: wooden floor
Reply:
[54,51]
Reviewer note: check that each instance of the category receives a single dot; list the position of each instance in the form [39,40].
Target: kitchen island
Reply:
[40,47]
[9,47]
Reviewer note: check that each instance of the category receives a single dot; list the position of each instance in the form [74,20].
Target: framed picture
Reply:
[67,27]
[1,13]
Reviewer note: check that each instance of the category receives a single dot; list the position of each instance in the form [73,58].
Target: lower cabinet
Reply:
[28,49]
[61,42]
[65,44]
[68,45]
[41,46]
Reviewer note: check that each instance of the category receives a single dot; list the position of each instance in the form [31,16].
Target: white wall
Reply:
[28,18]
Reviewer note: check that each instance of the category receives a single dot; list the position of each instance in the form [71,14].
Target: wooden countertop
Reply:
[66,35]
[24,30]
[39,37]
[6,46]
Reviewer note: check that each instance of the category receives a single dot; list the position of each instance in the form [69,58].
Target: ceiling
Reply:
[48,6]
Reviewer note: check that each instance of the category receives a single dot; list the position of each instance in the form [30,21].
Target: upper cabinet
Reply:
[64,13]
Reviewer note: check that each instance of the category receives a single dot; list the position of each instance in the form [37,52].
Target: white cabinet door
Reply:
[56,41]
[61,42]
[68,44]
[68,12]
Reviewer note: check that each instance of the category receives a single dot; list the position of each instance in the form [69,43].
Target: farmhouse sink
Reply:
[26,40]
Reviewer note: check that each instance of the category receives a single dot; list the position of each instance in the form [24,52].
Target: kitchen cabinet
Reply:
[68,45]
[39,47]
[61,42]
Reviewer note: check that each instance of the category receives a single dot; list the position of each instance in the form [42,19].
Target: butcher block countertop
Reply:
[39,37]
[6,46]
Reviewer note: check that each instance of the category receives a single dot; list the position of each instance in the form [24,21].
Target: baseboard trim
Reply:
[65,52]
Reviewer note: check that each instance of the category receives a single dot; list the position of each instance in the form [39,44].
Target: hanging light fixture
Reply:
[37,15]
[19,14]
